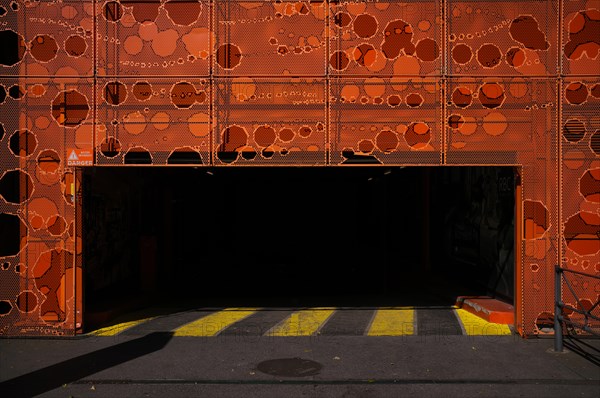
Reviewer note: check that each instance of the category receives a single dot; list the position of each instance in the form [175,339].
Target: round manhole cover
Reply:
[290,367]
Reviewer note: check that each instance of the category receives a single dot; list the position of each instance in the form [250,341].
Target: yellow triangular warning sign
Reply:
[73,156]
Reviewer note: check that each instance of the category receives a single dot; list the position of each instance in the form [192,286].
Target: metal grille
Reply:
[236,83]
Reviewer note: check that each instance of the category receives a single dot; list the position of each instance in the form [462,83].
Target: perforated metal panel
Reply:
[499,121]
[580,43]
[502,38]
[269,38]
[263,121]
[240,83]
[153,121]
[380,120]
[153,38]
[579,137]
[385,38]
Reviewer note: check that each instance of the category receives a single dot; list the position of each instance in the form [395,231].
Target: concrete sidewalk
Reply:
[160,365]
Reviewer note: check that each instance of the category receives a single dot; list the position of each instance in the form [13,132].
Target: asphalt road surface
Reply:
[301,352]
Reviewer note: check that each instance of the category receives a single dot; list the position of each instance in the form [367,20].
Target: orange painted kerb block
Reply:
[490,309]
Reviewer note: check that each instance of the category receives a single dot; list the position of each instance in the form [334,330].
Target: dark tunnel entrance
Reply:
[291,236]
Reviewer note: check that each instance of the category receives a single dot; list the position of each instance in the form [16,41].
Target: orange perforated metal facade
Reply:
[263,83]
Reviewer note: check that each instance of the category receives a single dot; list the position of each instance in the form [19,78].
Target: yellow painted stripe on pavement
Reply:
[118,328]
[476,326]
[302,323]
[212,324]
[393,322]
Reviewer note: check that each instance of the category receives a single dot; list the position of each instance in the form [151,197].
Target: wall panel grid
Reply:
[265,83]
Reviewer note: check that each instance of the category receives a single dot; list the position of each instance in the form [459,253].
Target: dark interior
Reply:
[292,236]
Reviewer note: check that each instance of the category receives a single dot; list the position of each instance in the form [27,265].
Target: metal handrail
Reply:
[559,306]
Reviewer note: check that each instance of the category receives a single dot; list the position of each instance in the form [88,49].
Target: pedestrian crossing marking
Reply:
[388,321]
[476,326]
[393,322]
[118,328]
[212,324]
[302,323]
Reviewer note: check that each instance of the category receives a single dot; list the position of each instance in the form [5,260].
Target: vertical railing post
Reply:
[558,332]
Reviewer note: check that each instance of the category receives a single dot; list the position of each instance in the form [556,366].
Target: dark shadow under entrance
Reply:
[284,236]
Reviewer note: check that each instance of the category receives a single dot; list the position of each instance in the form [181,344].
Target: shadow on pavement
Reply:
[582,348]
[54,376]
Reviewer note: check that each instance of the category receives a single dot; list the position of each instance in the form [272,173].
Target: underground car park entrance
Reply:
[294,236]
